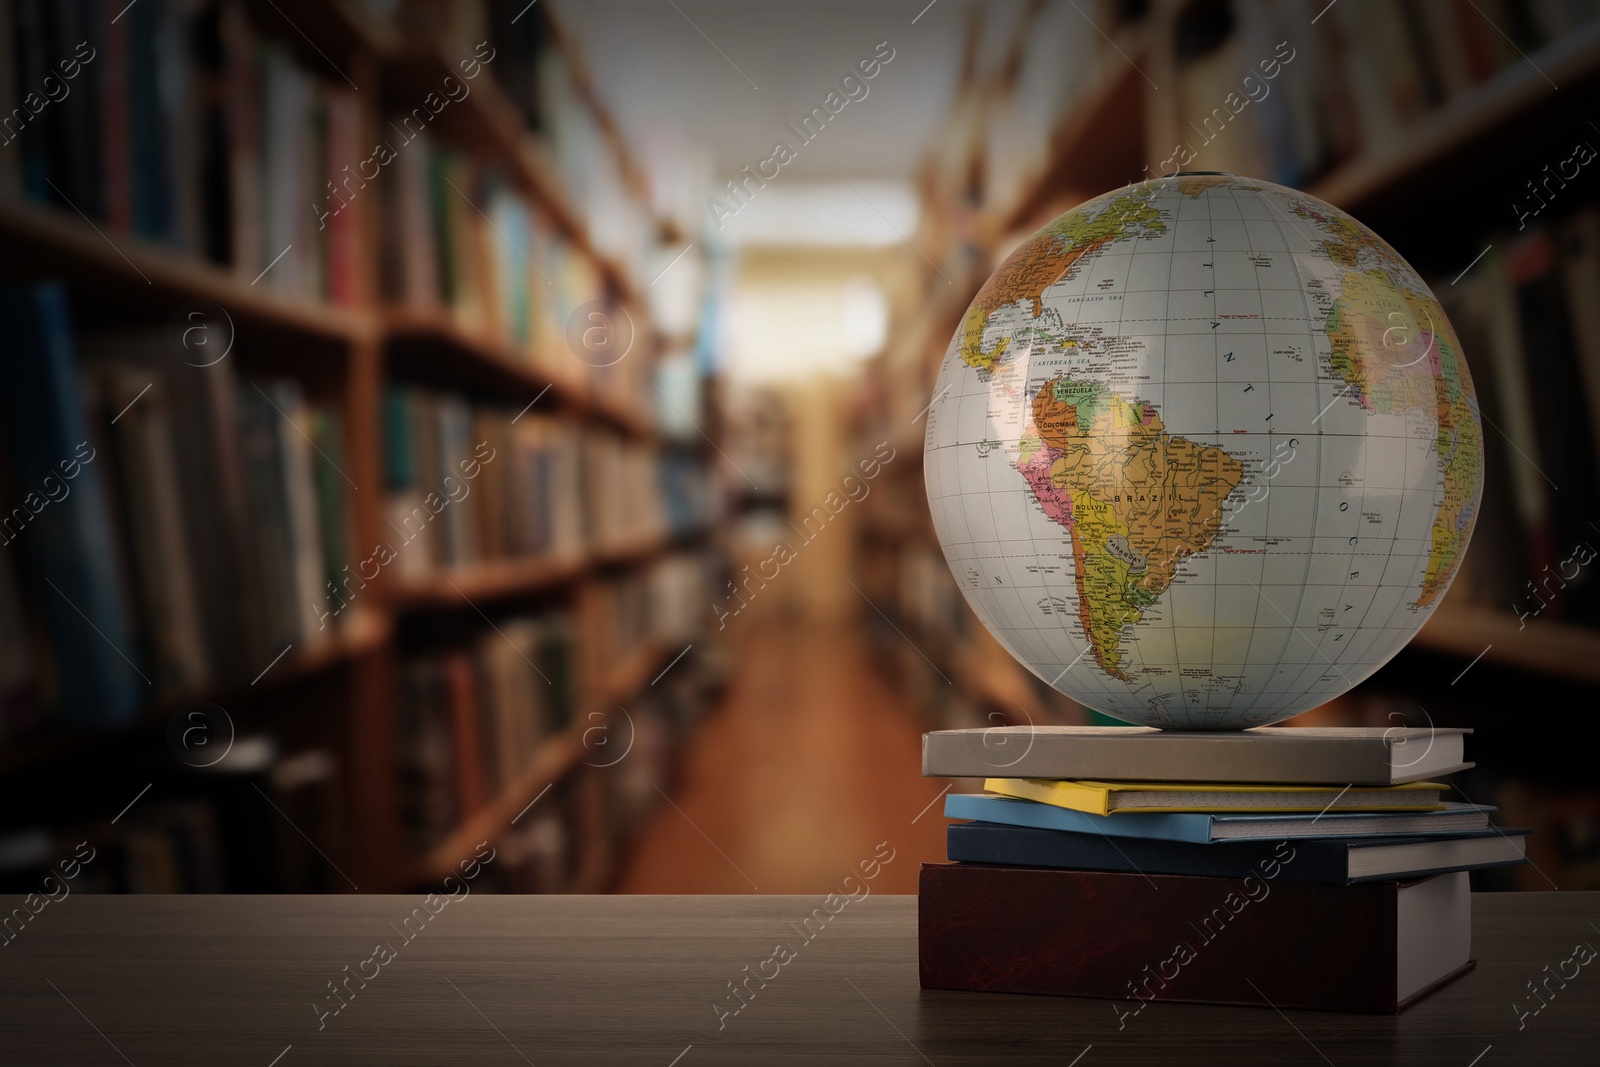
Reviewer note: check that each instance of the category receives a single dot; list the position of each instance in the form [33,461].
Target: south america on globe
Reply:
[1204,453]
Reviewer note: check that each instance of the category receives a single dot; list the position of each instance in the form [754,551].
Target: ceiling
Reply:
[728,76]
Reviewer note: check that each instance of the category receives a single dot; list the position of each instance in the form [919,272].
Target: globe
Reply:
[1204,453]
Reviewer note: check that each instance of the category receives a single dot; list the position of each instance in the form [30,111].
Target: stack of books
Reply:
[1307,868]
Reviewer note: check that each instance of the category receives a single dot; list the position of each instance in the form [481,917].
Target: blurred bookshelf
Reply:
[1441,144]
[401,366]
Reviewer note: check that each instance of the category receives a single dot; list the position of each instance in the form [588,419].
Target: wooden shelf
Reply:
[556,758]
[489,581]
[57,745]
[353,353]
[1093,147]
[629,675]
[1454,139]
[131,271]
[625,553]
[124,271]
[497,579]
[364,633]
[1454,150]
[898,528]
[1541,647]
[493,363]
[488,118]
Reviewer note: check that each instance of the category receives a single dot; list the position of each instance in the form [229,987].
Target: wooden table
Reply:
[633,980]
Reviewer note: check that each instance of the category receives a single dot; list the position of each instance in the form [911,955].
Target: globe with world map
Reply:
[1204,453]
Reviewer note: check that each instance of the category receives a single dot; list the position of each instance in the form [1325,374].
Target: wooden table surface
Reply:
[101,980]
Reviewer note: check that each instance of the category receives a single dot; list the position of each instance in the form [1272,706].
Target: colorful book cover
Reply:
[1201,827]
[1334,861]
[1106,798]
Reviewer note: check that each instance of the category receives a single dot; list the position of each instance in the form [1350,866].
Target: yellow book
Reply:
[1108,798]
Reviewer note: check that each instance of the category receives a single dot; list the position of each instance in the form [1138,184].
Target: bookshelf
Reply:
[53,239]
[1439,187]
[1457,135]
[556,758]
[341,695]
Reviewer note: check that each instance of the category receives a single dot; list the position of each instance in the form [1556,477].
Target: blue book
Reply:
[63,522]
[1332,861]
[1203,828]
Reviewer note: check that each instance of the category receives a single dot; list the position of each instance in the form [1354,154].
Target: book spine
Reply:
[332,508]
[142,438]
[243,115]
[1172,827]
[68,539]
[268,525]
[1580,275]
[1151,757]
[1017,846]
[1555,386]
[309,566]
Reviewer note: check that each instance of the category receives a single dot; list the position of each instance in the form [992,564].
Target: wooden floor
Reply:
[811,763]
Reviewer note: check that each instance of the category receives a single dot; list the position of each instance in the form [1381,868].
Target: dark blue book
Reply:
[62,523]
[1333,861]
[1203,827]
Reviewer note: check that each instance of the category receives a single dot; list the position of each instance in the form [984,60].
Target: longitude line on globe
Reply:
[1305,302]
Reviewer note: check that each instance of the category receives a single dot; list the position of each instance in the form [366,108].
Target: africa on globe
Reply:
[1204,453]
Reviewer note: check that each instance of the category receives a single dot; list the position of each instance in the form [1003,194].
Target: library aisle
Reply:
[576,373]
[808,765]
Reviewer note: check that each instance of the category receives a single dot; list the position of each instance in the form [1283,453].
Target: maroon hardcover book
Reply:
[1375,947]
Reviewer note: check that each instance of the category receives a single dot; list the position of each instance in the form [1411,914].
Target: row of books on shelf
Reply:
[224,828]
[1261,90]
[215,831]
[200,520]
[170,848]
[190,128]
[1527,319]
[178,123]
[1062,59]
[475,719]
[543,81]
[478,484]
[1271,89]
[567,841]
[1121,863]
[180,525]
[462,243]
[190,844]
[461,239]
